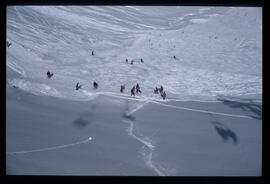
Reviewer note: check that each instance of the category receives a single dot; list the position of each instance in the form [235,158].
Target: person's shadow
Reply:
[86,118]
[224,132]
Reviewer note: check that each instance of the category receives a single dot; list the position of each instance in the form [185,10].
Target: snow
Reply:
[214,90]
[211,55]
[130,137]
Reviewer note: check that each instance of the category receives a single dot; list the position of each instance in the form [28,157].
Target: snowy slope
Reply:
[210,124]
[50,136]
[218,49]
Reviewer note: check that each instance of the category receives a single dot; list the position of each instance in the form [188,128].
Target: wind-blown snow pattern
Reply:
[218,50]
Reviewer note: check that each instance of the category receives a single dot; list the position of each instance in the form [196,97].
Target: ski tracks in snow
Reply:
[51,148]
[156,101]
[148,147]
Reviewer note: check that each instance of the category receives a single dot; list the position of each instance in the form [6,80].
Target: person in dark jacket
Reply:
[131,62]
[122,88]
[95,85]
[161,89]
[126,60]
[93,53]
[141,60]
[133,91]
[78,86]
[138,89]
[156,90]
[49,74]
[8,44]
[163,95]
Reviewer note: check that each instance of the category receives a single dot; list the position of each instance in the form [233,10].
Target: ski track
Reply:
[50,148]
[202,111]
[148,158]
[153,100]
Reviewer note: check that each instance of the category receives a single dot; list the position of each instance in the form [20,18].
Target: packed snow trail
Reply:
[51,148]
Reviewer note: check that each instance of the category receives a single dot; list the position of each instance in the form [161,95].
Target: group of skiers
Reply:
[161,91]
[137,88]
[95,85]
[134,90]
[78,85]
[131,62]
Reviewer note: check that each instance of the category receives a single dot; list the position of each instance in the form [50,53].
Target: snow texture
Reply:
[210,124]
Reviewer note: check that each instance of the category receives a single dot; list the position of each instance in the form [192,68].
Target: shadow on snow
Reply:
[248,107]
[86,118]
[224,132]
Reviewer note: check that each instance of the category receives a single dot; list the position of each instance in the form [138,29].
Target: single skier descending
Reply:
[93,53]
[49,74]
[95,85]
[133,91]
[126,60]
[131,62]
[78,86]
[141,60]
[138,90]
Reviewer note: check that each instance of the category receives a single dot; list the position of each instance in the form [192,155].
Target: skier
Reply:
[131,62]
[78,86]
[93,53]
[122,88]
[133,91]
[49,74]
[126,60]
[174,57]
[161,89]
[141,60]
[138,90]
[156,90]
[95,85]
[8,44]
[163,95]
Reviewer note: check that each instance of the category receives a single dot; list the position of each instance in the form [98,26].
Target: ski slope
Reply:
[218,50]
[209,125]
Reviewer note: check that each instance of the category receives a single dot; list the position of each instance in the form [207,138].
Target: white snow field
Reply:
[210,124]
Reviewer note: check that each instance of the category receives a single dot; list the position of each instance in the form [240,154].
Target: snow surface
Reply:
[209,125]
[216,55]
